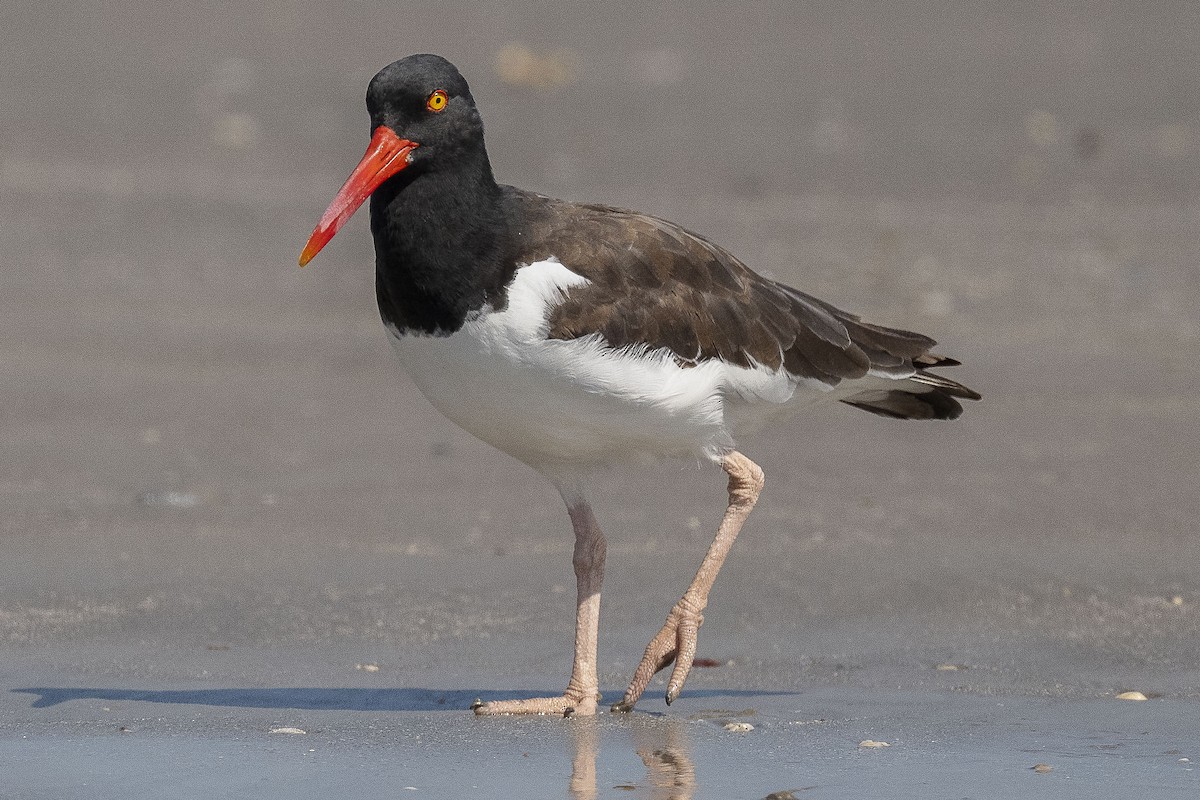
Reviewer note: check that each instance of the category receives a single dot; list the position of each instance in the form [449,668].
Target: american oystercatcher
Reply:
[577,336]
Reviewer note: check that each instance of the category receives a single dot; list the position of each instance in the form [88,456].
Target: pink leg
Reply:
[583,690]
[676,641]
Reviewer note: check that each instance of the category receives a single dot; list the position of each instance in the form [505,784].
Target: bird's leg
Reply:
[582,692]
[676,641]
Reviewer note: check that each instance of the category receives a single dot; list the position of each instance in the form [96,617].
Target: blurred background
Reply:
[206,451]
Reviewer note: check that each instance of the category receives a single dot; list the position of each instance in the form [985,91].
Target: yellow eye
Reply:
[437,101]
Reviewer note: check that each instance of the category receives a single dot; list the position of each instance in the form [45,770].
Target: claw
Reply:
[476,704]
[674,642]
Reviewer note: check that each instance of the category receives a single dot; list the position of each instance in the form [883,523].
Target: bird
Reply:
[578,337]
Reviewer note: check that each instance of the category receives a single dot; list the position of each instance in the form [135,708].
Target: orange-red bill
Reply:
[386,155]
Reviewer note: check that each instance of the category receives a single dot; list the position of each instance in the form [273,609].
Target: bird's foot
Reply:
[570,704]
[675,641]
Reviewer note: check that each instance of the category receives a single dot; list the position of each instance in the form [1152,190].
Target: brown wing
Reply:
[656,284]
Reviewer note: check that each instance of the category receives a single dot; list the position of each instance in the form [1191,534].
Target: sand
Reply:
[224,511]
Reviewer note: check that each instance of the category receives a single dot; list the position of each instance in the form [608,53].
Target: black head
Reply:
[425,99]
[423,119]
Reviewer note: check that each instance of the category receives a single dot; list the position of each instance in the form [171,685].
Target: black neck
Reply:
[441,237]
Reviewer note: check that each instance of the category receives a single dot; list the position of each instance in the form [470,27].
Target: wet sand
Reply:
[224,510]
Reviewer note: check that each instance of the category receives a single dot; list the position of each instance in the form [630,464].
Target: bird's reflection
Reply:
[661,743]
[667,754]
[585,746]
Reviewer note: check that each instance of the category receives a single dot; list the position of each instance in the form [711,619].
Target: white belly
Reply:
[570,405]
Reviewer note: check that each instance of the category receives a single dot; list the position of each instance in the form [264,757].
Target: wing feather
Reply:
[653,284]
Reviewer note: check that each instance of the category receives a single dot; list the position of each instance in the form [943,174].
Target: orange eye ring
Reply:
[437,101]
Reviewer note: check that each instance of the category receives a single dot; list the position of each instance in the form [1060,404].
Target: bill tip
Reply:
[308,253]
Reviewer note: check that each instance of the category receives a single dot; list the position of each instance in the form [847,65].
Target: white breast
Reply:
[570,405]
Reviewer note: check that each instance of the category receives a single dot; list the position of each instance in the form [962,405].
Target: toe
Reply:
[583,705]
[683,660]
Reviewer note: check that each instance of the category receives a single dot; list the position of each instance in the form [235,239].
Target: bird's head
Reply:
[422,118]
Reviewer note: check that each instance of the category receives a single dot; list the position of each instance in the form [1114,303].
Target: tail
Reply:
[922,395]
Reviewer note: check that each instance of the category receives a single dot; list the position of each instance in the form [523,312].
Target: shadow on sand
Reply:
[333,699]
